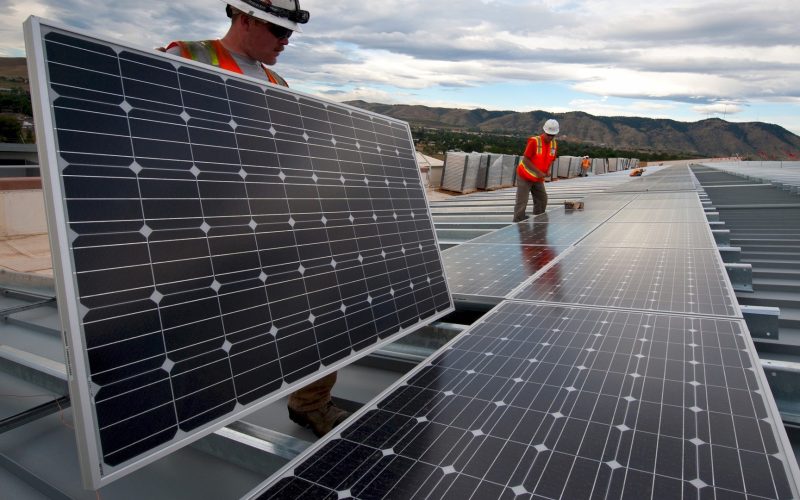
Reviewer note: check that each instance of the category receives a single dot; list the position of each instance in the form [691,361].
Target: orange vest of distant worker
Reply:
[217,55]
[540,157]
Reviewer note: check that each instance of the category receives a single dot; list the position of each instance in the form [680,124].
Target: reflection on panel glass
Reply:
[487,270]
[651,235]
[542,401]
[669,280]
[682,214]
[537,231]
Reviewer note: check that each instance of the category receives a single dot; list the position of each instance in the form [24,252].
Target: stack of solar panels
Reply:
[494,172]
[568,166]
[483,170]
[500,172]
[509,173]
[453,171]
[218,241]
[475,162]
[461,171]
[599,166]
[620,369]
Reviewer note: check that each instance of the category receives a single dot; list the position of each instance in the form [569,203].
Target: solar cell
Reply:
[493,270]
[545,401]
[220,241]
[669,279]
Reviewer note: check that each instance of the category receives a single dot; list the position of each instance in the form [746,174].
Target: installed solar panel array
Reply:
[221,241]
[621,369]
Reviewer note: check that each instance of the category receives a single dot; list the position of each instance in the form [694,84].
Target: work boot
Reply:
[320,421]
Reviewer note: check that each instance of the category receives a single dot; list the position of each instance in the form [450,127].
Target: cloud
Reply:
[719,108]
[699,53]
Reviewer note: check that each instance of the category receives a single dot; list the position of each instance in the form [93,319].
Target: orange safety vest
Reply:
[220,57]
[540,158]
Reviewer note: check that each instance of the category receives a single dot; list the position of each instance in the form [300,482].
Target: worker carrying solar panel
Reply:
[534,166]
[259,32]
[260,29]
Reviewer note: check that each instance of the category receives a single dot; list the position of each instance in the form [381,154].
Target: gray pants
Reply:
[536,189]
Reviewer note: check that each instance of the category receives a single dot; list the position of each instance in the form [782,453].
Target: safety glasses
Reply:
[279,31]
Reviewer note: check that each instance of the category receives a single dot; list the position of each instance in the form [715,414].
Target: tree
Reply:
[16,101]
[10,129]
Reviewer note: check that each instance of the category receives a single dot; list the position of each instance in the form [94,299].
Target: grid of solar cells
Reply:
[561,215]
[692,195]
[542,401]
[690,281]
[534,232]
[670,179]
[488,270]
[648,202]
[229,239]
[682,214]
[596,203]
[651,235]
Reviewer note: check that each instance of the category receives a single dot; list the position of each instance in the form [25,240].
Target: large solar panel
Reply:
[651,235]
[668,279]
[219,241]
[535,232]
[682,214]
[649,201]
[561,215]
[544,401]
[476,271]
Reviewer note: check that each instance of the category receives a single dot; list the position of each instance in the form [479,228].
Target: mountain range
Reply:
[706,138]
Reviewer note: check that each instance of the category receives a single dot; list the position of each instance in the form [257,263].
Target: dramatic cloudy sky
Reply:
[681,59]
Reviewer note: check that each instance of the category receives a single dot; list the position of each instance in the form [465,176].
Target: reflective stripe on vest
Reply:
[214,53]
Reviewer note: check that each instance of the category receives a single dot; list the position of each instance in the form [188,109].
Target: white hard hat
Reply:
[284,13]
[551,127]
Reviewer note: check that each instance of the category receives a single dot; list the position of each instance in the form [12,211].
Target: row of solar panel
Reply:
[620,370]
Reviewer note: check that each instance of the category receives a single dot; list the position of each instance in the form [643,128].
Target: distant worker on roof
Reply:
[586,164]
[259,32]
[540,153]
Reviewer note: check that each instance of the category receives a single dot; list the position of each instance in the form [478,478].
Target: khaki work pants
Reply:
[314,396]
[537,190]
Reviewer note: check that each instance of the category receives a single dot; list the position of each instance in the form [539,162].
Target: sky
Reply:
[686,60]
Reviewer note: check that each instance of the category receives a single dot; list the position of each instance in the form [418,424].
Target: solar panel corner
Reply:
[218,242]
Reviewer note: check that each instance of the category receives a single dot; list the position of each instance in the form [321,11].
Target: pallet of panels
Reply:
[561,166]
[453,172]
[599,166]
[475,161]
[483,171]
[494,176]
